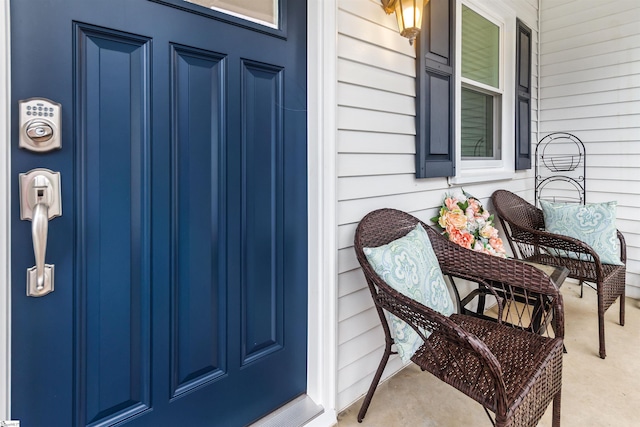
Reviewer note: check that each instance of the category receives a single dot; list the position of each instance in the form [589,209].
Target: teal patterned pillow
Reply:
[410,266]
[594,224]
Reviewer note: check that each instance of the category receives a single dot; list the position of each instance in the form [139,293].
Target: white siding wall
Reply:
[590,86]
[375,167]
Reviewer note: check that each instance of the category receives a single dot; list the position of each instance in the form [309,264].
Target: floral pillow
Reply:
[410,266]
[594,224]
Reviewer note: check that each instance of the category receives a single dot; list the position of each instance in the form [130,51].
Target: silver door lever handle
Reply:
[39,231]
[40,201]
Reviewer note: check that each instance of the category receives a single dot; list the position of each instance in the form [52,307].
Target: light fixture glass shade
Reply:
[409,16]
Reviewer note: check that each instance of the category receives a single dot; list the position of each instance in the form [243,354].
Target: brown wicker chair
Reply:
[511,371]
[523,224]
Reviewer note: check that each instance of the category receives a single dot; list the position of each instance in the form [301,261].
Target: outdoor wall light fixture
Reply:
[408,14]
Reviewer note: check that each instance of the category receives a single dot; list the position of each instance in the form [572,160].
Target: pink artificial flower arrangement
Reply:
[465,222]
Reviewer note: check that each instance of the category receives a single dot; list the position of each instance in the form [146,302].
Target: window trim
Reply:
[504,168]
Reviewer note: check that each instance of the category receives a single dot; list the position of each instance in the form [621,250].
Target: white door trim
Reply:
[322,347]
[5,211]
[321,173]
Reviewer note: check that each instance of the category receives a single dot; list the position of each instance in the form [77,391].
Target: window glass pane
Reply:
[480,48]
[261,11]
[477,119]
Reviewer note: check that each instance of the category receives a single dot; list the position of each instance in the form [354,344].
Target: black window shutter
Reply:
[523,96]
[435,91]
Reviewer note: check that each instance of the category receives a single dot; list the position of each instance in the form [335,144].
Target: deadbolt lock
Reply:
[40,121]
[39,131]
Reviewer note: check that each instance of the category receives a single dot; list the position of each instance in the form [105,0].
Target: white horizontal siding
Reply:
[375,121]
[358,187]
[569,53]
[624,82]
[358,325]
[588,99]
[375,164]
[379,142]
[590,111]
[376,167]
[612,135]
[581,17]
[367,98]
[585,65]
[362,51]
[590,87]
[364,75]
[592,74]
[626,119]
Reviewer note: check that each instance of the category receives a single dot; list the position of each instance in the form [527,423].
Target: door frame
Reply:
[5,212]
[321,196]
[322,131]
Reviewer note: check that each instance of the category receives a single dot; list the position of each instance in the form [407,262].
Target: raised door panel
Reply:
[198,296]
[113,299]
[262,284]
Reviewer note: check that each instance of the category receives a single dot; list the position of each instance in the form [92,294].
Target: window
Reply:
[481,92]
[468,126]
[263,12]
[485,82]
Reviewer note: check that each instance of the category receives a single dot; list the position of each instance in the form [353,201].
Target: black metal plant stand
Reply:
[561,172]
[560,169]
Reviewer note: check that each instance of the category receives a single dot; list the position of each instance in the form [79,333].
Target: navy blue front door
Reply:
[181,255]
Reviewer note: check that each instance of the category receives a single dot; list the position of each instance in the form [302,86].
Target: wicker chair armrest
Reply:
[458,261]
[497,274]
[422,318]
[565,244]
[552,240]
[623,246]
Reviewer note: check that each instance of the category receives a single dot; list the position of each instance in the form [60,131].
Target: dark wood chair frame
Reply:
[523,224]
[507,367]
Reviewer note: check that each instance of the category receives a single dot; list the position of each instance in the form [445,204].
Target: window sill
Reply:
[475,176]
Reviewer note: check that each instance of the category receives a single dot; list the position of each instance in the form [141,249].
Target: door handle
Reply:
[39,231]
[40,201]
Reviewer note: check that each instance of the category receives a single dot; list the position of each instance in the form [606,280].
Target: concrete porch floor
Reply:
[595,392]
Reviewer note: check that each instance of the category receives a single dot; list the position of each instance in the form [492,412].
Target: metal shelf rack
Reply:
[560,169]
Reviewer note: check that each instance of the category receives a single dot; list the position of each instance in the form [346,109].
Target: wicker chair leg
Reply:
[622,308]
[581,288]
[556,410]
[603,352]
[374,382]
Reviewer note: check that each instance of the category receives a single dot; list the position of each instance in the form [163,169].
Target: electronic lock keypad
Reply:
[40,128]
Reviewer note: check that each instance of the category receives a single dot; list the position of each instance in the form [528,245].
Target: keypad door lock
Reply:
[40,125]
